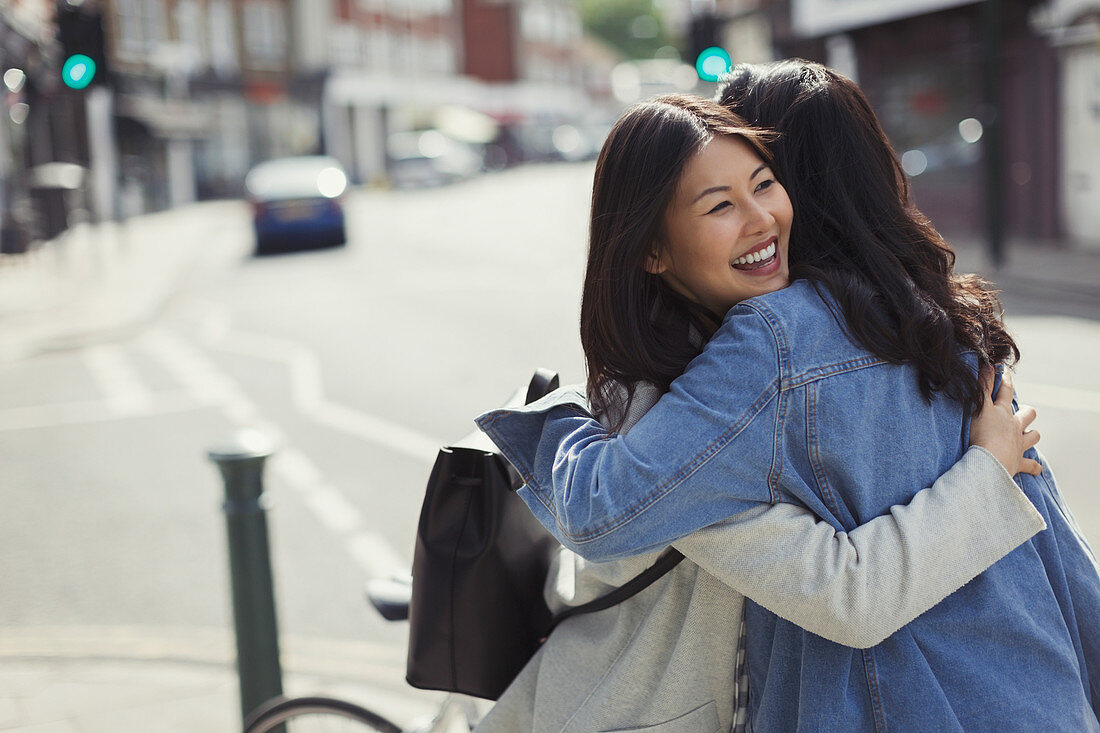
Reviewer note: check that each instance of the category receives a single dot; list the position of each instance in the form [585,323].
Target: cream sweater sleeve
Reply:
[859,587]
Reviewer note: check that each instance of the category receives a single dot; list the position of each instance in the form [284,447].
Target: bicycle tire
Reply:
[293,712]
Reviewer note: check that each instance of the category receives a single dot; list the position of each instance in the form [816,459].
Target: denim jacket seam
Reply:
[812,448]
[778,447]
[871,675]
[702,458]
[783,368]
[813,373]
[818,373]
[717,445]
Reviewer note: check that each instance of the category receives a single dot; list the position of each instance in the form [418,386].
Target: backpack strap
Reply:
[669,559]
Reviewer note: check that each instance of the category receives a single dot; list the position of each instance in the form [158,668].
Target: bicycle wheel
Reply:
[315,713]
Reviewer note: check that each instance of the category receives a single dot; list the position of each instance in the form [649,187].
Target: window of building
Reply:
[378,53]
[345,47]
[190,30]
[140,27]
[265,33]
[223,38]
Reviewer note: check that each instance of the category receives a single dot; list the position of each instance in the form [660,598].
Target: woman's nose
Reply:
[759,219]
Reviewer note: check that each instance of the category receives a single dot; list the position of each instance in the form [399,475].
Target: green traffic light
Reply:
[713,63]
[78,71]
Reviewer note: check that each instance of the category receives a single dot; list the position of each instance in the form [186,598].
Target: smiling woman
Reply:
[701,198]
[726,229]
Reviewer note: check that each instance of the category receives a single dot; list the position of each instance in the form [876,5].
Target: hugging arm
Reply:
[859,587]
[705,452]
[854,588]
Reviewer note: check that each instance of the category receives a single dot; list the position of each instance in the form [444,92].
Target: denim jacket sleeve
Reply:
[708,450]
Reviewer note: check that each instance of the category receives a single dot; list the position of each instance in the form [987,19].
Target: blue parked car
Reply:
[297,203]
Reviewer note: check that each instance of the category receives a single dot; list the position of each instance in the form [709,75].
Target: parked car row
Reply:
[298,202]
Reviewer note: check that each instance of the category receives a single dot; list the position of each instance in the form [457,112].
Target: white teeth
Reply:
[758,256]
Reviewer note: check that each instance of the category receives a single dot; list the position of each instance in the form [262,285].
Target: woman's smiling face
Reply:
[726,229]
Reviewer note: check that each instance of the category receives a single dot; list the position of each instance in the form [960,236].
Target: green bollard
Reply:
[241,461]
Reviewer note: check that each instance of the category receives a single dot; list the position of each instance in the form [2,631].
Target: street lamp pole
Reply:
[993,133]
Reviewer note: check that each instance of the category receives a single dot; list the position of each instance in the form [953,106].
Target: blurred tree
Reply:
[634,27]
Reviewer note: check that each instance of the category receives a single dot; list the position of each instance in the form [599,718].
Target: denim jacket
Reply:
[782,406]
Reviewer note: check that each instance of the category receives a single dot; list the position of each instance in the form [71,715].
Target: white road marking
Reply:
[307,391]
[123,390]
[375,554]
[376,430]
[204,384]
[295,467]
[333,510]
[204,381]
[80,413]
[195,372]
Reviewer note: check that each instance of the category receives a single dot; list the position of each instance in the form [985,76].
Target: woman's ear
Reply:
[654,264]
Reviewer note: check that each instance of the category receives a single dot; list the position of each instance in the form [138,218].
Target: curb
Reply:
[180,679]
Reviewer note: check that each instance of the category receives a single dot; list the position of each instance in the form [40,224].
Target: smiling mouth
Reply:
[760,258]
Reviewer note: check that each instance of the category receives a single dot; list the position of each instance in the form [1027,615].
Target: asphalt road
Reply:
[360,361]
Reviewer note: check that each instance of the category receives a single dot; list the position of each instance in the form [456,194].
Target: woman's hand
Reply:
[1001,432]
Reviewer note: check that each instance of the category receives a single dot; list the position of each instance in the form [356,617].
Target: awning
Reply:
[167,118]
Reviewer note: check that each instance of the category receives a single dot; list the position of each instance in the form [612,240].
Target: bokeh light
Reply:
[914,162]
[970,130]
[331,182]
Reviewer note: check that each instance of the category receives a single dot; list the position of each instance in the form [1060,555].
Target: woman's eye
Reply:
[765,185]
[720,206]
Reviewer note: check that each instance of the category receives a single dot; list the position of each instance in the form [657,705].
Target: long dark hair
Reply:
[634,327]
[856,232]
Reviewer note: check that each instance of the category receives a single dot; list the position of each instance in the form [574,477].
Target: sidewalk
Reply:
[118,680]
[100,281]
[1069,278]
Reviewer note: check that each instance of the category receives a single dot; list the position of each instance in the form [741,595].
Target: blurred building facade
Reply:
[399,65]
[199,91]
[26,39]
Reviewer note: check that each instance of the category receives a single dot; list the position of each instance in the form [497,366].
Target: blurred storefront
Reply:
[399,66]
[921,63]
[1073,27]
[207,88]
[28,111]
[200,91]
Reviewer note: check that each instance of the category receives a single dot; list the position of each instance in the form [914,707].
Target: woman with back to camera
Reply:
[669,654]
[843,390]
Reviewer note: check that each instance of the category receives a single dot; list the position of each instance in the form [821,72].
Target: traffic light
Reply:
[80,32]
[711,60]
[713,63]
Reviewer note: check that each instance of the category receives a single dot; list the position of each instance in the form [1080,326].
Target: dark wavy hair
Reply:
[856,232]
[634,327]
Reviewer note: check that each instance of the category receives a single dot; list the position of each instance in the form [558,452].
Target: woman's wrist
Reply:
[989,457]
